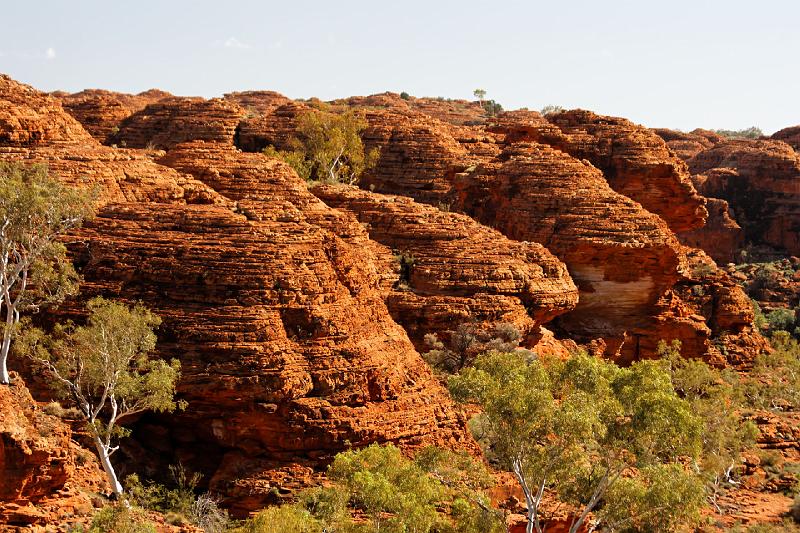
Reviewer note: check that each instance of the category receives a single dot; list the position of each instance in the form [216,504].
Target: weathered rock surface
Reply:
[101,112]
[634,160]
[721,237]
[288,350]
[454,270]
[790,136]
[39,463]
[621,257]
[29,117]
[170,121]
[760,180]
[273,127]
[687,145]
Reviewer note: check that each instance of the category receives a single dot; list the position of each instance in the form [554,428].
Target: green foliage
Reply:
[178,503]
[748,133]
[659,499]
[439,491]
[716,396]
[35,210]
[577,426]
[281,520]
[774,381]
[480,94]
[781,320]
[492,108]
[759,319]
[328,147]
[105,369]
[405,96]
[120,518]
[551,110]
[466,343]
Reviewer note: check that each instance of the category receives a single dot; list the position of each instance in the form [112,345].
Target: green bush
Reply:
[327,147]
[120,518]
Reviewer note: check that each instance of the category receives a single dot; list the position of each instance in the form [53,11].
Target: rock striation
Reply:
[790,136]
[453,270]
[288,350]
[634,160]
[173,120]
[39,463]
[760,180]
[687,145]
[101,112]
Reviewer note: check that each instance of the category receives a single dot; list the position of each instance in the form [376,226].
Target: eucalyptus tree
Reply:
[35,212]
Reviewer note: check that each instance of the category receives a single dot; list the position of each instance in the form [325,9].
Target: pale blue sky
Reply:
[671,63]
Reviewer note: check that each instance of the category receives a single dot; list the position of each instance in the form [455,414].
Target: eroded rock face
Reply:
[288,351]
[760,180]
[101,112]
[29,117]
[721,237]
[790,136]
[687,145]
[453,270]
[621,257]
[171,121]
[634,160]
[39,461]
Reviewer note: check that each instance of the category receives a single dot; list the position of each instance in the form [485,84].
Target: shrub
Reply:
[328,147]
[781,320]
[120,518]
[748,133]
[405,96]
[551,110]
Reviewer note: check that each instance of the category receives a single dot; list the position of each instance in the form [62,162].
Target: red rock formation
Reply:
[28,117]
[761,182]
[633,159]
[288,350]
[687,145]
[101,112]
[271,128]
[258,102]
[721,237]
[177,119]
[453,270]
[790,136]
[40,463]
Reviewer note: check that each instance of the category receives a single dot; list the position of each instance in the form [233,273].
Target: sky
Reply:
[678,64]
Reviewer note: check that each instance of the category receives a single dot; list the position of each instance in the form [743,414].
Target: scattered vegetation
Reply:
[551,110]
[104,370]
[438,491]
[748,133]
[35,210]
[491,107]
[592,432]
[180,504]
[405,96]
[328,147]
[466,343]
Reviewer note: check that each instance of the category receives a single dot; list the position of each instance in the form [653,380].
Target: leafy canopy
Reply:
[439,491]
[578,426]
[328,147]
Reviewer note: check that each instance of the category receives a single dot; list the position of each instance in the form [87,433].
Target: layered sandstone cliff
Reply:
[45,477]
[760,180]
[101,112]
[287,348]
[634,160]
[455,271]
[173,120]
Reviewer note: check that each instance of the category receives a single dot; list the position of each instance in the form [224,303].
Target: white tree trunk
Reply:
[105,460]
[4,349]
[5,379]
